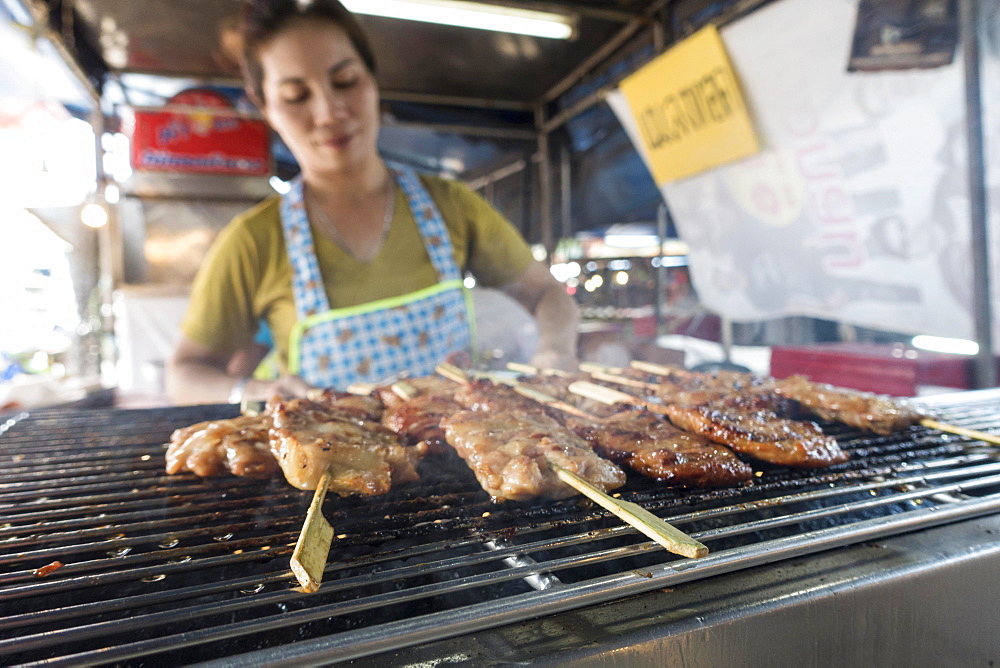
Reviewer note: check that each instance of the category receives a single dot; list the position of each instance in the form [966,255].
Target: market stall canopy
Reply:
[187,39]
[469,102]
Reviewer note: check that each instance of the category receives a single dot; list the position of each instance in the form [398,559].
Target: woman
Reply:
[357,270]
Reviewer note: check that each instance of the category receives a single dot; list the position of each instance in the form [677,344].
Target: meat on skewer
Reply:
[364,410]
[310,438]
[237,446]
[878,413]
[510,444]
[759,433]
[417,418]
[649,445]
[391,396]
[653,447]
[743,425]
[864,410]
[558,386]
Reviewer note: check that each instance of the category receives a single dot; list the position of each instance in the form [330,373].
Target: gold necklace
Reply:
[390,207]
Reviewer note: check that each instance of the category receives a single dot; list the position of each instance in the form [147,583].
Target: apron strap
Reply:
[308,288]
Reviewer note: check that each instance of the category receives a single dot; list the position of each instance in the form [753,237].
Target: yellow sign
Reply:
[689,109]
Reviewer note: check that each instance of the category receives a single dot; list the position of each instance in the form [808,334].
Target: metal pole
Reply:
[565,191]
[545,182]
[985,370]
[660,283]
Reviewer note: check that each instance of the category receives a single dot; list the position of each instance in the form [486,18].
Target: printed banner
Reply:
[689,110]
[858,208]
[202,140]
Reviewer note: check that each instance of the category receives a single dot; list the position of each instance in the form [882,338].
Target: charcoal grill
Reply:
[105,559]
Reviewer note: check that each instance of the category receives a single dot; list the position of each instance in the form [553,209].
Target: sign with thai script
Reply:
[689,109]
[200,133]
[857,209]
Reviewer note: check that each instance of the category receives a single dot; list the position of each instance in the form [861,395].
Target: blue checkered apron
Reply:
[413,332]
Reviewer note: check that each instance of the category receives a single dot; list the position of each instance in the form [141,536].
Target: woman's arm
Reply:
[196,374]
[554,310]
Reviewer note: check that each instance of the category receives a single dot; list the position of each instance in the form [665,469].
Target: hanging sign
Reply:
[856,210]
[689,109]
[202,134]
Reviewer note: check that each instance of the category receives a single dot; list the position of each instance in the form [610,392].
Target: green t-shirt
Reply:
[246,275]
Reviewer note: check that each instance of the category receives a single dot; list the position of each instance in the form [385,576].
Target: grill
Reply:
[104,559]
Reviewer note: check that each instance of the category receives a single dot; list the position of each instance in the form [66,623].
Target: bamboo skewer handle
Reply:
[670,537]
[659,369]
[961,431]
[547,400]
[404,390]
[313,546]
[623,380]
[611,396]
[452,372]
[594,367]
[529,369]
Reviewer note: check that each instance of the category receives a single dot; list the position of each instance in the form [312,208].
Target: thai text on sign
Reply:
[689,109]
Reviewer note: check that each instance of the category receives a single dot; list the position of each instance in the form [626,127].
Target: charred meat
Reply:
[759,433]
[650,445]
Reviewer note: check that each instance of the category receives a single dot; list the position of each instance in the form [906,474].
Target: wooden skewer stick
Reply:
[543,398]
[624,380]
[404,390]
[313,546]
[670,537]
[251,408]
[594,367]
[452,372]
[961,431]
[611,396]
[527,368]
[659,369]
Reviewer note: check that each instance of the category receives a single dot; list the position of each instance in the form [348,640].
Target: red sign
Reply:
[207,139]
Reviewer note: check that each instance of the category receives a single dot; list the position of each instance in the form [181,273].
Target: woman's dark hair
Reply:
[263,19]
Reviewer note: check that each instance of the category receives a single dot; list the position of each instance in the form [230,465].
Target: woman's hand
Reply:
[556,313]
[554,359]
[196,374]
[287,387]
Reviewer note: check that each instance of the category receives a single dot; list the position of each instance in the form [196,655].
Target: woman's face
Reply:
[320,97]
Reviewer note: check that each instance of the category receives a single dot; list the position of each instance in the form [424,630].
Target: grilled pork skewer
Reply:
[744,427]
[501,409]
[310,438]
[511,445]
[238,446]
[865,410]
[651,446]
[415,408]
[334,442]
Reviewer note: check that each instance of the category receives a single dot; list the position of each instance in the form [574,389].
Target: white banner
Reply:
[857,209]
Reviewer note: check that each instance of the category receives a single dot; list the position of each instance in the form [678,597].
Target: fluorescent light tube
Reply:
[470,15]
[945,345]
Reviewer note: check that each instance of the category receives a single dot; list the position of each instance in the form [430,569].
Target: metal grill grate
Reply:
[104,559]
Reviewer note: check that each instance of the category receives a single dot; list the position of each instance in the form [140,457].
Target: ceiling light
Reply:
[471,15]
